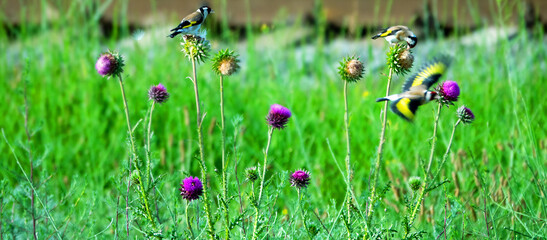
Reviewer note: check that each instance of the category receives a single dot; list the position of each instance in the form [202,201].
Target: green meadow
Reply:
[495,173]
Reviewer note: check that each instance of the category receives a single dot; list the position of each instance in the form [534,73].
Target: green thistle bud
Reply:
[195,47]
[135,177]
[251,174]
[225,63]
[400,59]
[415,183]
[351,69]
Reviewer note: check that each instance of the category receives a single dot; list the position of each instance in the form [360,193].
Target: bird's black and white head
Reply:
[412,40]
[205,10]
[430,95]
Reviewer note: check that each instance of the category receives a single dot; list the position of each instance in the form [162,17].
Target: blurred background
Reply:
[349,16]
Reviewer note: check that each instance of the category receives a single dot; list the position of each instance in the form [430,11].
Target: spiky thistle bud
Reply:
[300,179]
[225,63]
[135,177]
[278,116]
[251,174]
[109,64]
[414,183]
[195,47]
[158,93]
[466,115]
[351,69]
[400,59]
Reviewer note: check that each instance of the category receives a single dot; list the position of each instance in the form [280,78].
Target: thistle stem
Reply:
[445,156]
[348,156]
[142,191]
[380,149]
[302,213]
[148,136]
[127,220]
[424,183]
[263,175]
[262,179]
[188,223]
[202,165]
[224,170]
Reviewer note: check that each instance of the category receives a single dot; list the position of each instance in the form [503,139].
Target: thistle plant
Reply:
[251,174]
[111,64]
[225,63]
[300,179]
[399,61]
[351,69]
[277,118]
[190,189]
[415,183]
[197,48]
[157,94]
[448,92]
[466,116]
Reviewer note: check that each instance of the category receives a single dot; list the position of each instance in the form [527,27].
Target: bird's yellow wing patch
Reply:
[385,33]
[406,107]
[192,23]
[428,75]
[403,107]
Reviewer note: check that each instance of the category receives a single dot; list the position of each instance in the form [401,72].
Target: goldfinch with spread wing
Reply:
[415,89]
[191,23]
[397,34]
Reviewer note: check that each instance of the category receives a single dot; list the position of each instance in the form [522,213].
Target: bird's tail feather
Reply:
[172,35]
[382,99]
[376,36]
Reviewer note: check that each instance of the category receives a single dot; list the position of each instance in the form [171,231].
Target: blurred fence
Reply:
[350,13]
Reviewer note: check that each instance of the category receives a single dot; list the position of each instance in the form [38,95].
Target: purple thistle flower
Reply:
[278,116]
[158,93]
[109,64]
[449,91]
[191,188]
[300,179]
[465,114]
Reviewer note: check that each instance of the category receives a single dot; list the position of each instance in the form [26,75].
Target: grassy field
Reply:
[496,168]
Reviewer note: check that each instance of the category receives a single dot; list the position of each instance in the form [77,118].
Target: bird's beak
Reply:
[212,11]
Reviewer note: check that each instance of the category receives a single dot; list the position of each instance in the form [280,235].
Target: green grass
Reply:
[79,133]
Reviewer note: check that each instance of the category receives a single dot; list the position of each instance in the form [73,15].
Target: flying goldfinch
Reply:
[397,34]
[415,89]
[191,23]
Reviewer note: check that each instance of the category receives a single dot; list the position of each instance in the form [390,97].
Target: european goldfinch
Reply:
[397,34]
[415,89]
[191,23]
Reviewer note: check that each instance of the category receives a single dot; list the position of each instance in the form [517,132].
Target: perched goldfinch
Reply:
[191,23]
[397,34]
[415,89]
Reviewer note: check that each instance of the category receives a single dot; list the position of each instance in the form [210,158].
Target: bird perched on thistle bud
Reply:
[397,34]
[415,89]
[191,23]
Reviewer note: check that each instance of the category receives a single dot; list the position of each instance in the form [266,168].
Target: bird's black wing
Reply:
[386,32]
[429,74]
[183,24]
[405,107]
